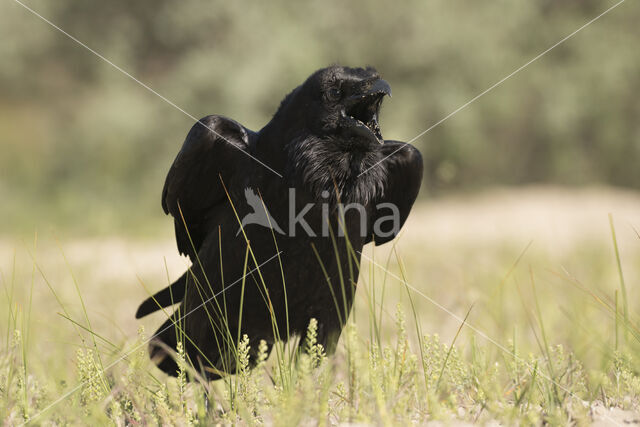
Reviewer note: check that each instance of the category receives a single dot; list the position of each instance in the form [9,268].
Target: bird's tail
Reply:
[163,343]
[199,354]
[172,294]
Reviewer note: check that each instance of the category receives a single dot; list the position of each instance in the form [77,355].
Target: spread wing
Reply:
[193,186]
[404,176]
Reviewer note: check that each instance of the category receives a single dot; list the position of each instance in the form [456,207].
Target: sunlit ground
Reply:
[535,266]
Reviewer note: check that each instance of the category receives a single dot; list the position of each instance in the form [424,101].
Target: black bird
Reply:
[328,179]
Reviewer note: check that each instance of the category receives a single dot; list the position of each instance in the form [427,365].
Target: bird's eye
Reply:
[335,93]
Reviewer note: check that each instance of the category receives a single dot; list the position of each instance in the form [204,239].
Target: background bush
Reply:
[81,140]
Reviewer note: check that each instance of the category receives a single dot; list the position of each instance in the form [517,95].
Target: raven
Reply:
[329,183]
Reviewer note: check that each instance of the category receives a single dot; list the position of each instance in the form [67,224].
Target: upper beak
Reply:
[372,87]
[380,86]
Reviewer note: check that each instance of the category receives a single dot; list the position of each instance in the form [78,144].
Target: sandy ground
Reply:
[550,216]
[553,217]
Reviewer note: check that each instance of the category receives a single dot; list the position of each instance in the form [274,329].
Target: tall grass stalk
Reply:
[623,287]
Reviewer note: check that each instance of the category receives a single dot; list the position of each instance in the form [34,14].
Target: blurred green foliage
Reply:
[83,145]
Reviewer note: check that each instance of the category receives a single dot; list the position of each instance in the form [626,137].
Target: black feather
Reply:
[170,295]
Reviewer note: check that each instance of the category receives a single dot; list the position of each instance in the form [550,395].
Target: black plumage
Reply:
[325,142]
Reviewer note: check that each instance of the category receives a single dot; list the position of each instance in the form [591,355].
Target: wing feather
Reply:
[404,177]
[193,187]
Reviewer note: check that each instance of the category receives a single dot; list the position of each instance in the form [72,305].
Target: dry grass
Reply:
[499,252]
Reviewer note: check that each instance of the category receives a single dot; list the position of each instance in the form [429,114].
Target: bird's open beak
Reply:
[361,109]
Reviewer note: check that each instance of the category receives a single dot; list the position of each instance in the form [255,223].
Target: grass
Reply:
[528,328]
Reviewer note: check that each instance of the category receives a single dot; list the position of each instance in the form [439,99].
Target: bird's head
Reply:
[347,103]
[328,127]
[341,104]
